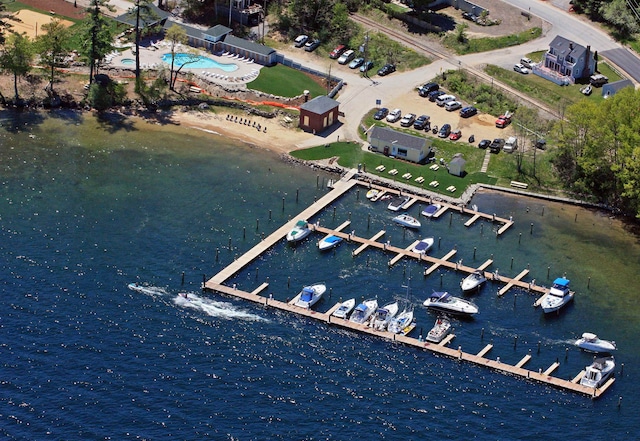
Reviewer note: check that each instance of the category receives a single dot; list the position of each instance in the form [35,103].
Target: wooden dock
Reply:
[216,284]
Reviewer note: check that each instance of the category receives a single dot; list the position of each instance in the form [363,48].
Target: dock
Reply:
[340,187]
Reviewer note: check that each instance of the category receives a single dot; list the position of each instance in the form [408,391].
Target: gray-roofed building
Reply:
[401,145]
[456,165]
[158,17]
[566,62]
[610,89]
[318,114]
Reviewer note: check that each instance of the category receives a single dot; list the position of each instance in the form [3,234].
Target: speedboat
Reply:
[473,281]
[591,343]
[363,311]
[558,296]
[440,329]
[445,302]
[401,324]
[431,210]
[598,372]
[398,203]
[344,309]
[299,231]
[310,295]
[423,246]
[407,221]
[383,316]
[372,193]
[329,242]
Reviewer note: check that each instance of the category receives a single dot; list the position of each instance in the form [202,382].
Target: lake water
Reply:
[88,206]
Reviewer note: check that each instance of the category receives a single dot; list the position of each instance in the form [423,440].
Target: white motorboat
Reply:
[363,311]
[383,316]
[407,221]
[310,295]
[401,324]
[299,231]
[431,210]
[345,309]
[440,330]
[473,281]
[329,242]
[591,343]
[558,296]
[445,302]
[423,246]
[372,193]
[398,203]
[598,372]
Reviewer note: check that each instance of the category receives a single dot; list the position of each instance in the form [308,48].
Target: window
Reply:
[402,152]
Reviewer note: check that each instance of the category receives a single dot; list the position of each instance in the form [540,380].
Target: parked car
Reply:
[455,135]
[408,119]
[347,56]
[394,115]
[427,88]
[386,69]
[504,120]
[598,80]
[520,68]
[356,62]
[450,106]
[444,99]
[469,16]
[312,45]
[496,145]
[381,113]
[526,62]
[335,53]
[300,40]
[433,96]
[367,65]
[484,144]
[445,131]
[541,144]
[422,123]
[468,111]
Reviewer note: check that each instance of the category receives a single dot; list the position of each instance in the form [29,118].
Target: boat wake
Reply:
[214,308]
[148,290]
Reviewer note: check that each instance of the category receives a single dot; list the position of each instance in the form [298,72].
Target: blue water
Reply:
[128,61]
[112,202]
[201,62]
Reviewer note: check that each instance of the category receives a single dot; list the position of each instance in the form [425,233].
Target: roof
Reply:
[567,47]
[320,105]
[157,16]
[233,41]
[218,31]
[611,88]
[392,137]
[561,281]
[458,160]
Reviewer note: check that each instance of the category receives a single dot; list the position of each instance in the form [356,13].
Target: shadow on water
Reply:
[68,115]
[114,122]
[17,122]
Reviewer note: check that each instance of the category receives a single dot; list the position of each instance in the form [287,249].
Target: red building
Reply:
[318,114]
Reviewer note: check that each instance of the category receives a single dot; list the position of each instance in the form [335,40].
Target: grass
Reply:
[284,81]
[475,45]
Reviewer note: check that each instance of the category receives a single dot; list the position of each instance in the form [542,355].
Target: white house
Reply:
[400,145]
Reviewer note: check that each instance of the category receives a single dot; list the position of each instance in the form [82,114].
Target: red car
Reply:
[339,50]
[455,135]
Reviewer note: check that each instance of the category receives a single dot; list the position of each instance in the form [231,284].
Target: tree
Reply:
[97,36]
[342,28]
[53,45]
[176,35]
[16,58]
[142,12]
[618,14]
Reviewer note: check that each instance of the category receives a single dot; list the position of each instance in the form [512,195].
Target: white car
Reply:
[394,115]
[526,62]
[453,105]
[347,57]
[520,68]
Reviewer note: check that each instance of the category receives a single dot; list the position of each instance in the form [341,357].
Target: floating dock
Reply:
[340,187]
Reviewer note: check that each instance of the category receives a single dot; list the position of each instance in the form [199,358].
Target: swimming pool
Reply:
[200,63]
[128,61]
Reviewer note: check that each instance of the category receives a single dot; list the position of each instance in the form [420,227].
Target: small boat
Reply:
[401,324]
[398,203]
[423,246]
[363,311]
[431,210]
[558,296]
[299,231]
[440,329]
[345,309]
[443,301]
[372,193]
[310,295]
[591,343]
[383,316]
[407,221]
[598,372]
[329,242]
[473,281]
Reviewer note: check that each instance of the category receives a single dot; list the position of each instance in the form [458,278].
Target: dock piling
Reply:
[482,334]
[450,218]
[182,280]
[257,270]
[566,353]
[358,194]
[368,221]
[474,253]
[229,243]
[519,237]
[283,204]
[334,212]
[515,342]
[297,193]
[589,282]
[531,230]
[512,263]
[217,254]
[244,233]
[539,342]
[288,281]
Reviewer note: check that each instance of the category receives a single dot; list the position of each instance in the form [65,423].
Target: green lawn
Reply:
[284,81]
[485,44]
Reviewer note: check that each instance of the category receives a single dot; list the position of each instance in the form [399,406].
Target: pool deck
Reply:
[151,59]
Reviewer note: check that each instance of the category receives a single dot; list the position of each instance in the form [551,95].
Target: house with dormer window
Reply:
[566,62]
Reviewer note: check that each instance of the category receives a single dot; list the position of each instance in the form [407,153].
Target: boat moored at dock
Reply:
[310,295]
[423,246]
[559,295]
[445,302]
[363,311]
[398,203]
[345,309]
[598,372]
[473,281]
[331,241]
[299,231]
[431,210]
[407,221]
[440,330]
